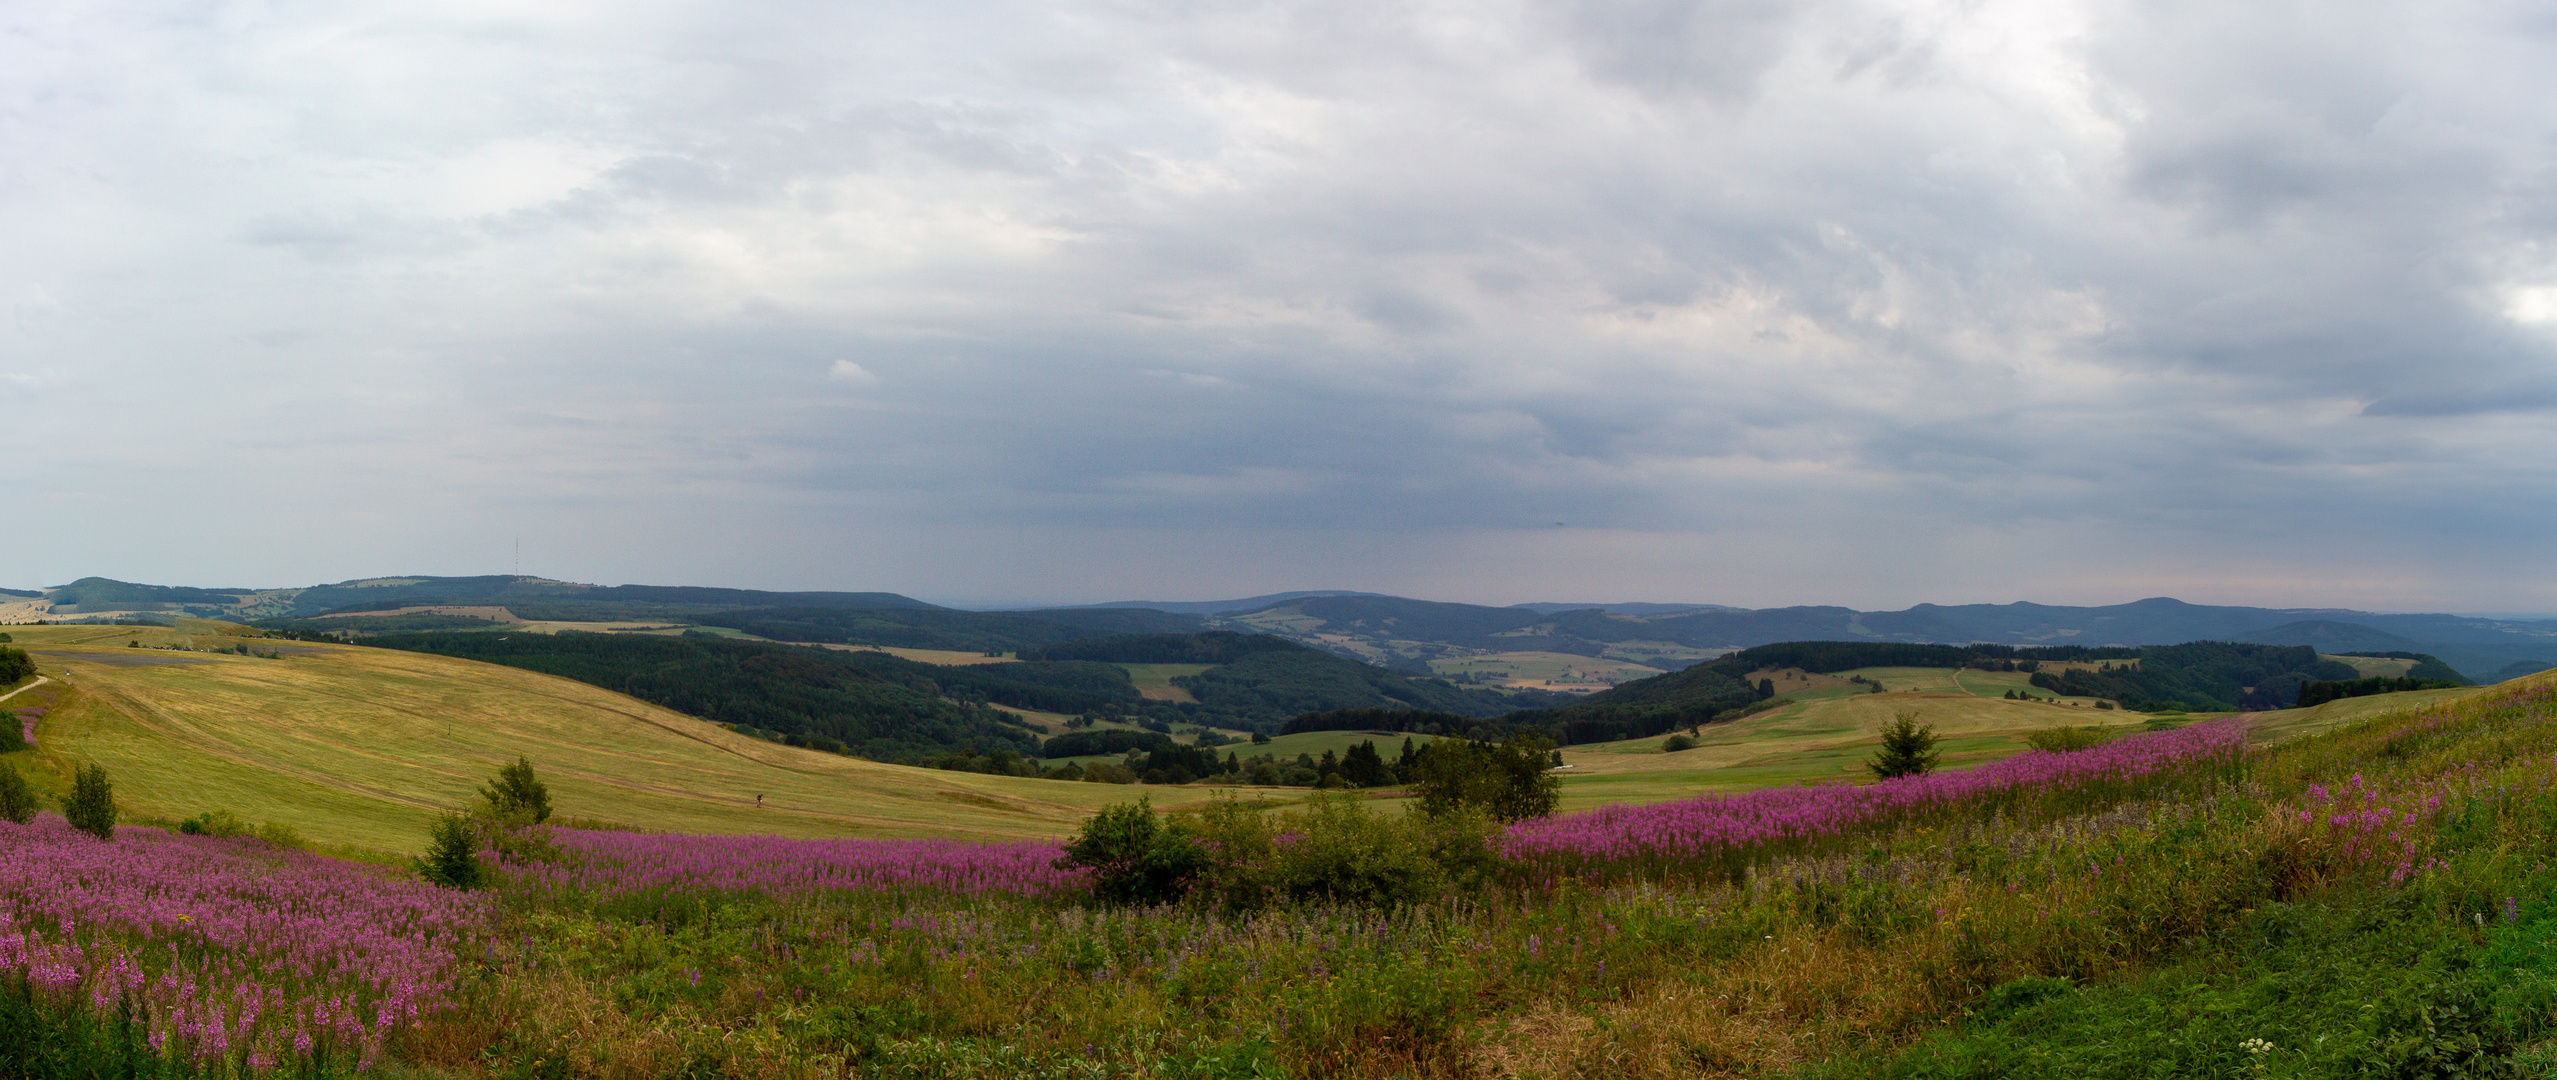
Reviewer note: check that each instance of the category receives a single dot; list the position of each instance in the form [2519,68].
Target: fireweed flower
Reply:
[285,954]
[1724,831]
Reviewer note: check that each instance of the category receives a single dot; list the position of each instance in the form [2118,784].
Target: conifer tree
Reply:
[452,854]
[1907,749]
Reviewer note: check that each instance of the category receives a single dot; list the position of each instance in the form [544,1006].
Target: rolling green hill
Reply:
[359,747]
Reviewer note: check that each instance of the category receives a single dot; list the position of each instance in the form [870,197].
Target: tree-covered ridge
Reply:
[2319,693]
[1277,684]
[2426,666]
[903,628]
[827,700]
[2204,675]
[1213,647]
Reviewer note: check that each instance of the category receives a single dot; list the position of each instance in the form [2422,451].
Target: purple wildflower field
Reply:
[614,865]
[27,724]
[1719,833]
[235,951]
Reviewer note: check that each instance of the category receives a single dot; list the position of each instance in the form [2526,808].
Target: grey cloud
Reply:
[1366,295]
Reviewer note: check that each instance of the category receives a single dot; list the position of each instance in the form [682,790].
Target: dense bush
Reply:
[18,799]
[91,807]
[15,664]
[219,824]
[517,795]
[1506,781]
[1134,857]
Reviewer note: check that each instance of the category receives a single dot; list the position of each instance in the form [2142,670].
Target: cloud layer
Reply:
[1861,302]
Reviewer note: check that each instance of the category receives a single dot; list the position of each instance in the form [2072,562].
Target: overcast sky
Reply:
[1738,302]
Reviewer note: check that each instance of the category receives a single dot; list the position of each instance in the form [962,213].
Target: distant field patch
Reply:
[127,658]
[492,614]
[1154,681]
[944,657]
[1566,672]
[2374,666]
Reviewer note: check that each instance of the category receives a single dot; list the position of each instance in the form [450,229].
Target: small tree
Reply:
[1907,749]
[18,801]
[517,796]
[452,854]
[1508,781]
[91,807]
[1133,856]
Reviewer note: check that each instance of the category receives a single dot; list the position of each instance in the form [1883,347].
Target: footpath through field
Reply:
[40,680]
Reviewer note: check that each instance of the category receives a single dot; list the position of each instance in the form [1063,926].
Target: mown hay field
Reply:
[358,748]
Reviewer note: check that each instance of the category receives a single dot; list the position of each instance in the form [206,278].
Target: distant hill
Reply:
[1624,609]
[1394,632]
[2330,637]
[1214,607]
[893,709]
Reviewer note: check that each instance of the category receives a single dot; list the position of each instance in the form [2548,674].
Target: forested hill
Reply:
[2198,675]
[808,697]
[1214,647]
[882,706]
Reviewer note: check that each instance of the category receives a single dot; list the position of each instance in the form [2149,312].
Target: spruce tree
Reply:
[517,796]
[452,854]
[1907,749]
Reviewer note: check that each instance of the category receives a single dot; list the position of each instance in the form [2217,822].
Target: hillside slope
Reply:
[360,747]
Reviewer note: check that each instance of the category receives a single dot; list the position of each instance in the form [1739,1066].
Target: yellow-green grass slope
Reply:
[359,748]
[1828,731]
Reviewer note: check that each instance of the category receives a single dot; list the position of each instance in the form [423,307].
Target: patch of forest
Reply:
[806,697]
[882,706]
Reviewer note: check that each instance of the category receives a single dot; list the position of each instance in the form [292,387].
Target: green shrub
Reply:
[18,799]
[282,835]
[516,795]
[452,854]
[1676,743]
[91,807]
[1508,781]
[214,823]
[1336,850]
[2062,740]
[1134,857]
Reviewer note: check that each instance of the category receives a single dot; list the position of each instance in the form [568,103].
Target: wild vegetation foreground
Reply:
[2368,902]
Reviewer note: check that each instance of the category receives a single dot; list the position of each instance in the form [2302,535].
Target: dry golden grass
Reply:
[359,747]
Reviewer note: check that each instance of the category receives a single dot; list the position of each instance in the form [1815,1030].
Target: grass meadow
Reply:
[2369,899]
[2358,889]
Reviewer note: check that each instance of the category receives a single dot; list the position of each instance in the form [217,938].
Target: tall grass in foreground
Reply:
[1841,918]
[180,955]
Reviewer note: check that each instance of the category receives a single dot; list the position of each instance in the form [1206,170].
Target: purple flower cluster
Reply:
[27,723]
[233,951]
[608,865]
[1724,832]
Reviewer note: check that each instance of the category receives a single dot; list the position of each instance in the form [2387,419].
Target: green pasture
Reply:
[2373,666]
[1544,667]
[1154,681]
